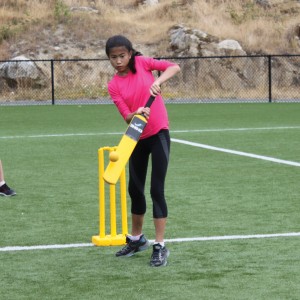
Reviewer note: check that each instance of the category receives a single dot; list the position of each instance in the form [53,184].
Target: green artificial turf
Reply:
[49,154]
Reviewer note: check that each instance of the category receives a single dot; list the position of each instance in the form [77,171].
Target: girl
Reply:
[129,89]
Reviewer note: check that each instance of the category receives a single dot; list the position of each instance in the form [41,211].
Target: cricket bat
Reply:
[126,146]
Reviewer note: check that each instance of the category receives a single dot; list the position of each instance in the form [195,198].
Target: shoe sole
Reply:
[4,195]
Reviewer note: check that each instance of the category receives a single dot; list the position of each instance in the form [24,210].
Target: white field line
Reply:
[58,135]
[272,159]
[235,129]
[177,240]
[172,131]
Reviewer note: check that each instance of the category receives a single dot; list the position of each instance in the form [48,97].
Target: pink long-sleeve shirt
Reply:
[131,91]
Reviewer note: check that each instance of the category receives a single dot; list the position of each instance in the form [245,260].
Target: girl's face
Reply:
[119,58]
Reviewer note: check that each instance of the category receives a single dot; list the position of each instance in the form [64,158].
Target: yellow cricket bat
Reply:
[120,157]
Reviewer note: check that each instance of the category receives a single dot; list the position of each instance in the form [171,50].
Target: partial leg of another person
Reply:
[5,190]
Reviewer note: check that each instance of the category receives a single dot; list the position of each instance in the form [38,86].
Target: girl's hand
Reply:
[155,88]
[141,110]
[145,111]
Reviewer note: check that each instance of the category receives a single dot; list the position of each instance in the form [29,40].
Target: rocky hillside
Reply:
[79,29]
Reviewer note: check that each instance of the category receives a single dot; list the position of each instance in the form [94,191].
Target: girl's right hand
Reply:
[155,88]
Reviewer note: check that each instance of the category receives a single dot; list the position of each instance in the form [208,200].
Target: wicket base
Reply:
[109,240]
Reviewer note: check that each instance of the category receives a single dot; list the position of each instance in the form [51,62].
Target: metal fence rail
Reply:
[271,78]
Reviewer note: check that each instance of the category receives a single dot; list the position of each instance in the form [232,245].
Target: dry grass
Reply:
[259,30]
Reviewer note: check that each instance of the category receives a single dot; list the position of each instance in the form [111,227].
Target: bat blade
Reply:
[126,146]
[125,149]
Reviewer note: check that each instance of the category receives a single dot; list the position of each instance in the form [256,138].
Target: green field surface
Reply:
[233,228]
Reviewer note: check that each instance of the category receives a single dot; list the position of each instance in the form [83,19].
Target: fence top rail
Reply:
[229,56]
[50,60]
[162,57]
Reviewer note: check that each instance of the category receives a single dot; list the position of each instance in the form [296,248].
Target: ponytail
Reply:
[131,64]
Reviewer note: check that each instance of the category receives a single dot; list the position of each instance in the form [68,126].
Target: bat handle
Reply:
[150,101]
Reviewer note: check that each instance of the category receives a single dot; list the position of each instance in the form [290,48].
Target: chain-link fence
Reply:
[202,79]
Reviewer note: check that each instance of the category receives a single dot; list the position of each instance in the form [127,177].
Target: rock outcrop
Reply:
[22,72]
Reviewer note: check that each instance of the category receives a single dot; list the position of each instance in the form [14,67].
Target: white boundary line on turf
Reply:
[172,131]
[234,129]
[272,159]
[236,237]
[177,240]
[43,247]
[58,135]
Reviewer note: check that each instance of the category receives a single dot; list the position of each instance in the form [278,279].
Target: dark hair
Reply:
[122,41]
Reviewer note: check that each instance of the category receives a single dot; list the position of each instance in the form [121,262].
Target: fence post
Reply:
[52,81]
[270,77]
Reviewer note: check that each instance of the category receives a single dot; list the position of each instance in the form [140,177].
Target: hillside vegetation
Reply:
[58,29]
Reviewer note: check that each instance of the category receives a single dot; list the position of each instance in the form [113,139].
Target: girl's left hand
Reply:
[145,111]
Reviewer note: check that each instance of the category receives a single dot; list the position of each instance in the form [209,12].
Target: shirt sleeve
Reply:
[153,64]
[118,100]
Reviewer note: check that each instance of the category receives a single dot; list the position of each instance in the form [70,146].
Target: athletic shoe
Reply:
[6,191]
[159,256]
[133,246]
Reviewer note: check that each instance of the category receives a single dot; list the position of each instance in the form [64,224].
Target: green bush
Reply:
[250,12]
[61,11]
[5,33]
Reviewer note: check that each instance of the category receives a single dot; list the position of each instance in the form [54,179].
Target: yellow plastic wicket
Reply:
[112,239]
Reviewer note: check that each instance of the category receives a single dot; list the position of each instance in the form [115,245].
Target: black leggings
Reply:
[159,148]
